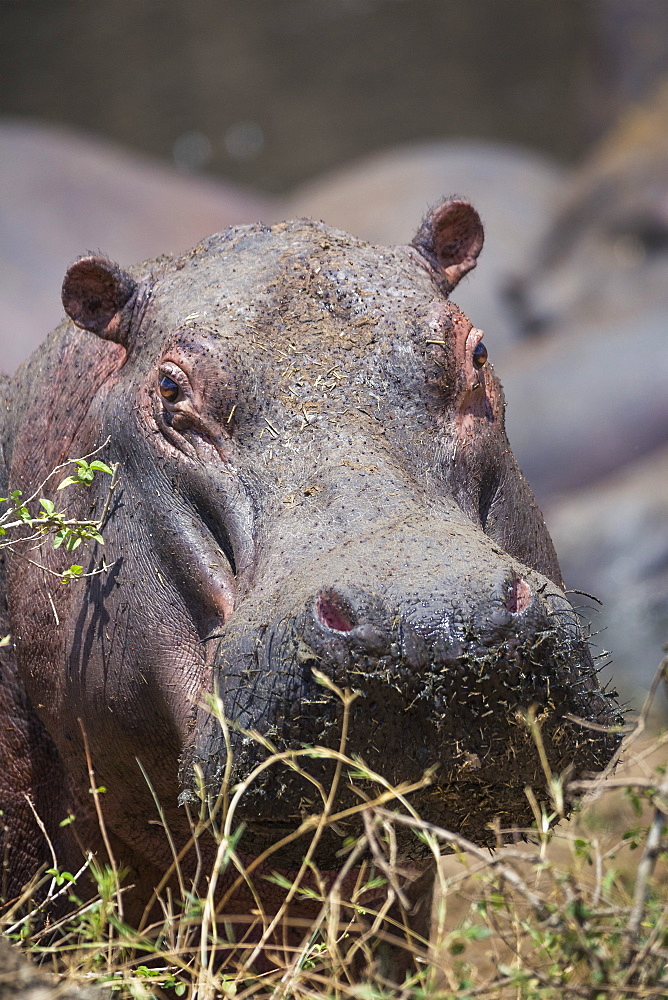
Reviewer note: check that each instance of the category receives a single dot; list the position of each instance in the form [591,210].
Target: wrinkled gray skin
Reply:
[314,476]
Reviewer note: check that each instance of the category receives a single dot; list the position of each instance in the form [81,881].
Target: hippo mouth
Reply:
[445,714]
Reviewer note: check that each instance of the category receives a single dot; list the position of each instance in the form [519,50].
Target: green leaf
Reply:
[278,879]
[101,467]
[60,877]
[375,883]
[71,573]
[68,481]
[477,933]
[59,537]
[143,970]
[47,505]
[5,641]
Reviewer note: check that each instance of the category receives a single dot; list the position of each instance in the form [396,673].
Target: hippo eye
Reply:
[479,355]
[169,390]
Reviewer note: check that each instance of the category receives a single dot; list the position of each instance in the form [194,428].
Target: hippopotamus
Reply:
[316,496]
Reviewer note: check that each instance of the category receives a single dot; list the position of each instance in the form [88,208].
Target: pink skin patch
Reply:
[331,611]
[473,377]
[479,399]
[519,597]
[476,390]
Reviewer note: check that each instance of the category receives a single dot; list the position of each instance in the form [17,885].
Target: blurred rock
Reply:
[606,250]
[64,194]
[587,390]
[382,197]
[585,401]
[612,541]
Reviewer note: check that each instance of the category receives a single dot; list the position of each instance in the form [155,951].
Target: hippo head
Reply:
[315,480]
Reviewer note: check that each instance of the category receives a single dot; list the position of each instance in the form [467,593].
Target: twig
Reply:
[652,849]
[509,874]
[8,931]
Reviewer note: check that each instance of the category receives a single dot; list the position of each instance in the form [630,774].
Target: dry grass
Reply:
[580,911]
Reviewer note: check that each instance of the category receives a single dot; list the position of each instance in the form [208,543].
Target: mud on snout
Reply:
[437,692]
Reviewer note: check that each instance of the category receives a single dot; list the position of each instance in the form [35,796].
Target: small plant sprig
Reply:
[48,521]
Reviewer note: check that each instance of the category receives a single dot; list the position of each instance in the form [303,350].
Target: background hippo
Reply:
[589,412]
[78,187]
[314,477]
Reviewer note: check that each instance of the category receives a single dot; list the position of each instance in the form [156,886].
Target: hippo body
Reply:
[314,477]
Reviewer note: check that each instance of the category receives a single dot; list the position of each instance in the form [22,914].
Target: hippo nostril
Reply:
[333,611]
[519,597]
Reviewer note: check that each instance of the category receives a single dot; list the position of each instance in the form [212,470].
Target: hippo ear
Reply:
[451,238]
[95,290]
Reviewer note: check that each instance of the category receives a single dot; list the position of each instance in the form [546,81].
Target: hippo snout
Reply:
[516,647]
[444,680]
[335,612]
[428,627]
